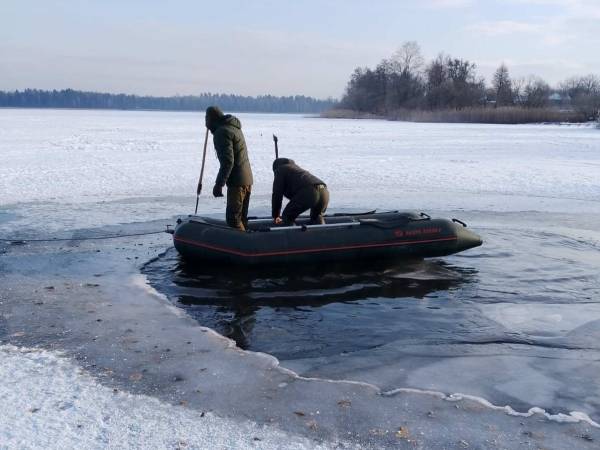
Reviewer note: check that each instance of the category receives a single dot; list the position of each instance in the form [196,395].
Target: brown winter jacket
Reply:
[289,180]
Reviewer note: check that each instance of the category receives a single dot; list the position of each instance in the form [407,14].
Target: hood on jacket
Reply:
[214,121]
[213,116]
[281,162]
[231,121]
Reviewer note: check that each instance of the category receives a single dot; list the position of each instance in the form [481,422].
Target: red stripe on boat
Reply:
[311,250]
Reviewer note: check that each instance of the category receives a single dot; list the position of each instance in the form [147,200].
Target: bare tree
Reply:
[403,83]
[584,93]
[467,89]
[536,93]
[518,89]
[453,83]
[503,86]
[408,58]
[438,82]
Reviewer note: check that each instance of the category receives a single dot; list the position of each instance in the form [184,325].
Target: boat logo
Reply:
[417,232]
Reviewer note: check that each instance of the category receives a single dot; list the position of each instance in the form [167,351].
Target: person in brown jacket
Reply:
[235,170]
[304,190]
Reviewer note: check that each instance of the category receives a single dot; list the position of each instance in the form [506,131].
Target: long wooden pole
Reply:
[199,189]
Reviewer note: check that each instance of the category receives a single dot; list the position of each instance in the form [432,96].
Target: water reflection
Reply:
[294,310]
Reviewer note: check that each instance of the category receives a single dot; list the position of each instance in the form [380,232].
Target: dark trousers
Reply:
[238,200]
[315,198]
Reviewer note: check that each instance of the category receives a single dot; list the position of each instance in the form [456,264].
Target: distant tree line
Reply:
[406,82]
[69,98]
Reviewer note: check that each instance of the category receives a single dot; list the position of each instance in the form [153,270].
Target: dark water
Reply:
[516,321]
[305,312]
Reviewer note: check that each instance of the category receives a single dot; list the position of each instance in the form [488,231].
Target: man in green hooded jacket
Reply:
[235,171]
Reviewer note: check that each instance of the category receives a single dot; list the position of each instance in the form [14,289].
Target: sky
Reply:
[280,47]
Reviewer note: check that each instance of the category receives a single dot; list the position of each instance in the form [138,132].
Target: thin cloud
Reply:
[565,22]
[533,65]
[584,9]
[553,32]
[504,27]
[161,50]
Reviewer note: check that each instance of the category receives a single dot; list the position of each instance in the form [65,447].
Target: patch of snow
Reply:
[48,402]
[76,169]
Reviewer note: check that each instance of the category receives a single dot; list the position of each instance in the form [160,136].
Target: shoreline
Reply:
[483,116]
[442,117]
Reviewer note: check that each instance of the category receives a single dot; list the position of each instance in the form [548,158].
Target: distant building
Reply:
[561,101]
[556,97]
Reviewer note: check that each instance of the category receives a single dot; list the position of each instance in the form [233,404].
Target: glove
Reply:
[218,191]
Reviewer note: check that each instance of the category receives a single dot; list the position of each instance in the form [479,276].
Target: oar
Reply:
[199,189]
[276,148]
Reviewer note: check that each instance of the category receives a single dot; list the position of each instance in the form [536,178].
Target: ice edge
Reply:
[141,281]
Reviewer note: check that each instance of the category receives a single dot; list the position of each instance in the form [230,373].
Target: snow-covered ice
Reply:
[49,402]
[73,169]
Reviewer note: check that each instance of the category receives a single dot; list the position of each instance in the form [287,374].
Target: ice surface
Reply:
[93,307]
[527,321]
[106,167]
[573,417]
[543,319]
[49,402]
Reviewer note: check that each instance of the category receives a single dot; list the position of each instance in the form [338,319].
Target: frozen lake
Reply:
[72,169]
[516,321]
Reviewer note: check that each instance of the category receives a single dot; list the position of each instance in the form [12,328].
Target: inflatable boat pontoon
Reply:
[344,237]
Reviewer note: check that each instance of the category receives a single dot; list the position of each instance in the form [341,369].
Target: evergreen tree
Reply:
[69,98]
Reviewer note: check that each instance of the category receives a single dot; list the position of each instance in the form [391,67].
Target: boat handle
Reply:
[459,221]
[423,216]
[316,227]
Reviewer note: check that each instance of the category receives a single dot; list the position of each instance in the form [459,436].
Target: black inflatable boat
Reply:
[343,237]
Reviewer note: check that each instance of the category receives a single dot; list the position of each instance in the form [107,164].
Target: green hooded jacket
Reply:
[232,153]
